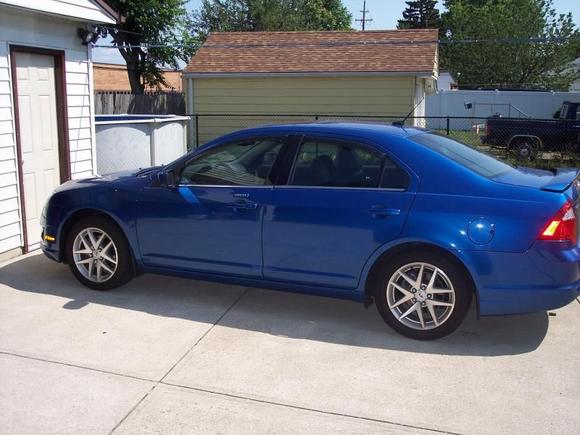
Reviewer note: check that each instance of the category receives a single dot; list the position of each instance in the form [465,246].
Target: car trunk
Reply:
[562,181]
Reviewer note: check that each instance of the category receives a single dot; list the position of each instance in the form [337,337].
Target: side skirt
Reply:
[353,295]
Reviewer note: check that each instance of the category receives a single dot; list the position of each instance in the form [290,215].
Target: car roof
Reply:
[368,130]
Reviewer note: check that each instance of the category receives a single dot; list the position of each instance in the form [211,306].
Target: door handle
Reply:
[243,204]
[380,211]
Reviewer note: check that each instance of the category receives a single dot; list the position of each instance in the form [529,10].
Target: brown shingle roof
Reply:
[410,51]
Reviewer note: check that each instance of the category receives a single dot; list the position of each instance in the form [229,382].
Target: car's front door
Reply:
[210,221]
[342,201]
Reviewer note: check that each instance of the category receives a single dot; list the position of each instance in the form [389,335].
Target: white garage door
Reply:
[38,136]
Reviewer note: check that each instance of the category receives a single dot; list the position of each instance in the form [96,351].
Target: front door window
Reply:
[242,163]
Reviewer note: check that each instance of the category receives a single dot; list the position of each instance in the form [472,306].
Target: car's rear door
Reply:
[342,201]
[211,221]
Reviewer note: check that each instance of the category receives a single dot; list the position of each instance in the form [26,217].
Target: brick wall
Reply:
[109,77]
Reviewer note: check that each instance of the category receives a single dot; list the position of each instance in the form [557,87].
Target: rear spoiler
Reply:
[563,179]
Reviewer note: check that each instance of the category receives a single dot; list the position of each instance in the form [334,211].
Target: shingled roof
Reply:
[385,51]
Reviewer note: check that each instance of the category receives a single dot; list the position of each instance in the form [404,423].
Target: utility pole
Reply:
[364,19]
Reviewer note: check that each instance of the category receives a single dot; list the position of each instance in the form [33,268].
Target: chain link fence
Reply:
[539,143]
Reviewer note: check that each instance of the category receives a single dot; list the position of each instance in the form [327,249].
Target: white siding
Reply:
[84,10]
[10,225]
[24,28]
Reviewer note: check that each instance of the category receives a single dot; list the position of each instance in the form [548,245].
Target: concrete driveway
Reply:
[168,355]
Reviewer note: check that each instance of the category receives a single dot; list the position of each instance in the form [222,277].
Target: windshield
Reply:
[475,160]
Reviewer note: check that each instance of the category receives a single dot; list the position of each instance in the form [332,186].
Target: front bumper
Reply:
[50,248]
[543,278]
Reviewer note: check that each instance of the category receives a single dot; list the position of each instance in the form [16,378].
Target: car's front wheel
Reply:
[423,295]
[98,254]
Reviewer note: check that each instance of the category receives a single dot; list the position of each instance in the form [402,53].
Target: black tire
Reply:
[525,151]
[124,270]
[461,283]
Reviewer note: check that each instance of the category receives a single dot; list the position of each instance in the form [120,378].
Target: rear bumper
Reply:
[544,278]
[497,301]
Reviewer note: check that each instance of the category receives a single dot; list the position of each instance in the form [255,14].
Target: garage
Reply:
[237,80]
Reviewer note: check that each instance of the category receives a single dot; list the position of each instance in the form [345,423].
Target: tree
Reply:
[270,15]
[522,44]
[420,14]
[154,33]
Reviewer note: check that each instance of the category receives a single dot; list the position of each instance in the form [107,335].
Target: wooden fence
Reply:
[149,103]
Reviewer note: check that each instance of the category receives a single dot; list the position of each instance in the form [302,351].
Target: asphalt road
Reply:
[168,355]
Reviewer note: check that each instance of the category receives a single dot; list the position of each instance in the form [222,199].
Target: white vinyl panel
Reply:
[5,127]
[79,133]
[7,153]
[5,101]
[9,230]
[8,192]
[81,144]
[7,166]
[6,140]
[79,167]
[10,243]
[78,100]
[8,179]
[8,205]
[79,175]
[10,217]
[77,89]
[5,114]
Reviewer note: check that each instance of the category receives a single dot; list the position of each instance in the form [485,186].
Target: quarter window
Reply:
[336,164]
[393,176]
[243,163]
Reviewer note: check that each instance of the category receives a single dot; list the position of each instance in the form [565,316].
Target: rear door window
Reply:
[333,163]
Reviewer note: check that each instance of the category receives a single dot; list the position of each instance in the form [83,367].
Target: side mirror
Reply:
[170,178]
[165,179]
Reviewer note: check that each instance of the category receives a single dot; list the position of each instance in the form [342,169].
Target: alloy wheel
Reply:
[95,255]
[420,296]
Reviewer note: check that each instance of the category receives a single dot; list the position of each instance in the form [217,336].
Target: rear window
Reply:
[477,161]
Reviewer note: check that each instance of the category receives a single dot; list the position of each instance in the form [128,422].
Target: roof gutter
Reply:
[208,75]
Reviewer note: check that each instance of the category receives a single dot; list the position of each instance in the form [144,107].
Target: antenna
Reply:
[402,123]
[364,18]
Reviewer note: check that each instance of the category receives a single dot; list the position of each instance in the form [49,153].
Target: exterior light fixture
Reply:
[88,36]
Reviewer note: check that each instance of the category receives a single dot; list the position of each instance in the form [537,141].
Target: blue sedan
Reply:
[415,222]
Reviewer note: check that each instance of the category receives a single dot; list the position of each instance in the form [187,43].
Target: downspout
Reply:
[92,110]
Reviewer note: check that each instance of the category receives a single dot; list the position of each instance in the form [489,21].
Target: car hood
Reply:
[557,180]
[115,177]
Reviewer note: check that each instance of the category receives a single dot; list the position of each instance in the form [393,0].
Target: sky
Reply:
[384,14]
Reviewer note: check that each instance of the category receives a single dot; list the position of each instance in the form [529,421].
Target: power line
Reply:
[364,18]
[514,41]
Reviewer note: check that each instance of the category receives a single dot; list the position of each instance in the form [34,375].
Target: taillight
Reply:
[563,226]
[487,129]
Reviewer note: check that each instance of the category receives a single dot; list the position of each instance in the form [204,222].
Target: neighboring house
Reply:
[111,77]
[445,81]
[46,108]
[575,87]
[376,73]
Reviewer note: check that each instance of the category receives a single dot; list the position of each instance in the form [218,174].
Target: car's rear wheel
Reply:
[423,295]
[525,150]
[98,254]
